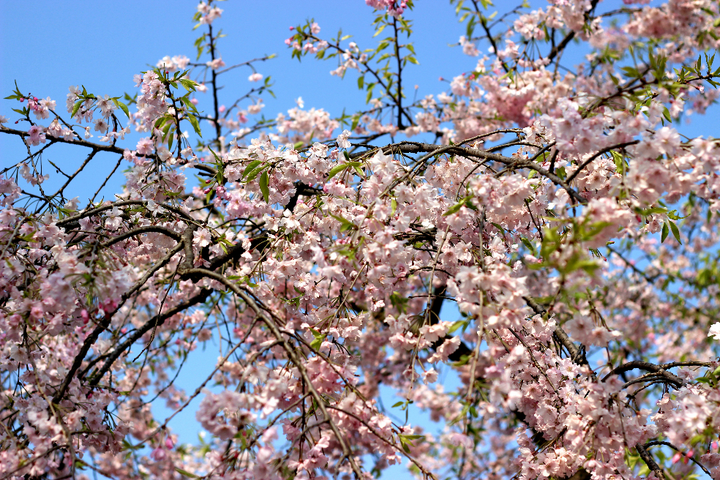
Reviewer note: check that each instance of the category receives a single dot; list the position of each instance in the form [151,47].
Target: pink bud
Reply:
[169,443]
[292,28]
[22,99]
[690,453]
[158,454]
[35,99]
[676,457]
[714,445]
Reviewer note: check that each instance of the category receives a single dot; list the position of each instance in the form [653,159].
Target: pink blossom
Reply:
[36,135]
[216,64]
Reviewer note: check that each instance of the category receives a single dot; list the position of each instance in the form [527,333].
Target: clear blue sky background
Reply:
[49,45]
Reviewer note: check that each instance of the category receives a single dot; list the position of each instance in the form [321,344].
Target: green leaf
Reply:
[160,122]
[666,114]
[649,211]
[264,180]
[456,326]
[673,215]
[499,227]
[251,166]
[587,232]
[529,246]
[337,169]
[76,107]
[369,93]
[166,129]
[675,232]
[619,162]
[319,338]
[407,441]
[186,473]
[188,84]
[250,175]
[455,208]
[345,224]
[399,302]
[664,233]
[358,171]
[464,202]
[188,104]
[196,125]
[122,107]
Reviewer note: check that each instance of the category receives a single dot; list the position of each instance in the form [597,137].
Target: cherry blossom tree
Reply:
[547,194]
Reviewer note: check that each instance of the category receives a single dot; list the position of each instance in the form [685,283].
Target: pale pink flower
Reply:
[342,140]
[215,64]
[37,135]
[202,237]
[145,146]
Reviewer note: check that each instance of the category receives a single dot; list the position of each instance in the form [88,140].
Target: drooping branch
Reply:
[270,321]
[509,162]
[154,322]
[647,366]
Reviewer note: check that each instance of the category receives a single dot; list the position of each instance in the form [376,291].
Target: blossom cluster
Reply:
[560,212]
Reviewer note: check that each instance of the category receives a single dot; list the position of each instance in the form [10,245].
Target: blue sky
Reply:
[49,45]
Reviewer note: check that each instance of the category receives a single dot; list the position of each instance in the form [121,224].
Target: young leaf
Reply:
[319,338]
[337,169]
[76,107]
[345,224]
[196,125]
[252,166]
[121,106]
[186,473]
[664,233]
[188,84]
[264,180]
[675,232]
